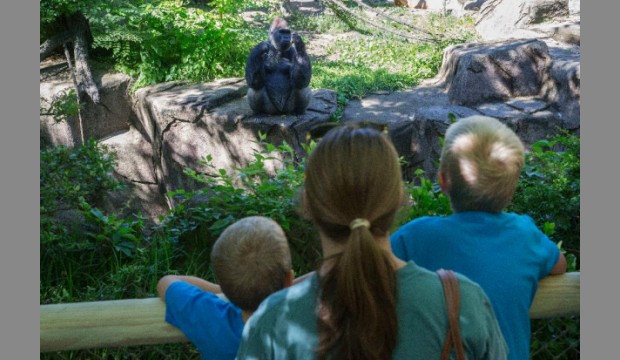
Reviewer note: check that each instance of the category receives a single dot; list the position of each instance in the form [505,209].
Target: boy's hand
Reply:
[560,266]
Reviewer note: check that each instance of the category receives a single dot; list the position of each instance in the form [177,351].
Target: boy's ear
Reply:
[444,181]
[288,278]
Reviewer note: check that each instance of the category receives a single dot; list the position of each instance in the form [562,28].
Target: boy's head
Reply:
[480,164]
[251,260]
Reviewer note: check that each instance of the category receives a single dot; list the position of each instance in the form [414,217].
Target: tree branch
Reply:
[46,49]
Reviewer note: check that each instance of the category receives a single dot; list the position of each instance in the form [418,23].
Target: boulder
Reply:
[503,19]
[574,7]
[482,72]
[136,168]
[101,120]
[539,11]
[563,90]
[184,123]
[415,119]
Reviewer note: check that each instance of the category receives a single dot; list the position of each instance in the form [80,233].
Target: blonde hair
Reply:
[353,188]
[251,260]
[481,159]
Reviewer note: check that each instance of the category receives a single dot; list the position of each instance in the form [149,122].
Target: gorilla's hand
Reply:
[299,44]
[263,48]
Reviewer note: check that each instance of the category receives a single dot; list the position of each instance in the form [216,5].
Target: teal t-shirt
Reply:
[284,326]
[505,253]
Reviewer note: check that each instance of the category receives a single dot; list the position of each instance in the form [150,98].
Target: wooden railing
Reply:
[141,321]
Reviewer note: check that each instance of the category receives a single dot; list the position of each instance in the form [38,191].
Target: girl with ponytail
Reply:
[363,302]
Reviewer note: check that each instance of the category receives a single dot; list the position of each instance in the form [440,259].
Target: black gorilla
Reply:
[278,73]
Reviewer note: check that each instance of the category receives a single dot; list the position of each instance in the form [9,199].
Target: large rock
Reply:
[185,123]
[159,131]
[416,119]
[136,167]
[563,87]
[503,19]
[99,121]
[483,72]
[574,7]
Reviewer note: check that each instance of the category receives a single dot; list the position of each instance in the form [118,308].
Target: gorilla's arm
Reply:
[254,67]
[302,70]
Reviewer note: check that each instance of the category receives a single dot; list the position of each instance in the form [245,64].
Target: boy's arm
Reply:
[560,266]
[203,284]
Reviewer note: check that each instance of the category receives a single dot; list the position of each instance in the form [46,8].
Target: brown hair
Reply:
[354,173]
[251,260]
[482,159]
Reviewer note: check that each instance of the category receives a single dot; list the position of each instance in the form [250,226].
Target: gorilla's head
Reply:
[280,34]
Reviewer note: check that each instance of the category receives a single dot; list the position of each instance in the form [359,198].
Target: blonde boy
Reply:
[505,253]
[251,260]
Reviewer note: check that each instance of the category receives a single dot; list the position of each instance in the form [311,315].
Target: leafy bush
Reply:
[425,199]
[549,190]
[251,190]
[49,10]
[66,175]
[63,105]
[77,239]
[163,41]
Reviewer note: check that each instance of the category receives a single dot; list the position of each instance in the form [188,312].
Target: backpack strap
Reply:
[453,302]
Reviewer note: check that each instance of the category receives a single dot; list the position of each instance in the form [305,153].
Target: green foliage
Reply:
[555,339]
[64,105]
[165,41]
[49,10]
[75,236]
[425,199]
[68,175]
[256,189]
[549,189]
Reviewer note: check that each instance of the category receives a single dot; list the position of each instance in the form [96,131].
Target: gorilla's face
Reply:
[282,39]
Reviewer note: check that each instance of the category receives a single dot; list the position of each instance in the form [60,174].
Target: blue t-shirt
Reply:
[212,324]
[505,253]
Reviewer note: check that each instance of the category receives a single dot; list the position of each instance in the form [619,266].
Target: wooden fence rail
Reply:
[141,321]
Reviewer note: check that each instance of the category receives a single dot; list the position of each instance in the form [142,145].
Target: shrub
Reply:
[250,190]
[77,240]
[548,191]
[163,41]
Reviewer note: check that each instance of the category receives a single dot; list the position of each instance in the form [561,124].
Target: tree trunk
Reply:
[76,30]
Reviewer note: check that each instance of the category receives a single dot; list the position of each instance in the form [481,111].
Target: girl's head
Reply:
[353,188]
[352,173]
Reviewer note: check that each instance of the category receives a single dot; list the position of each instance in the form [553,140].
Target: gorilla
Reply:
[278,73]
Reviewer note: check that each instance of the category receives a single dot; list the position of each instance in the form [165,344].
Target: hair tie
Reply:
[359,222]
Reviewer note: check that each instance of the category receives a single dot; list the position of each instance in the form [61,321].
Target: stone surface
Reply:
[110,116]
[574,7]
[185,123]
[482,72]
[529,106]
[503,19]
